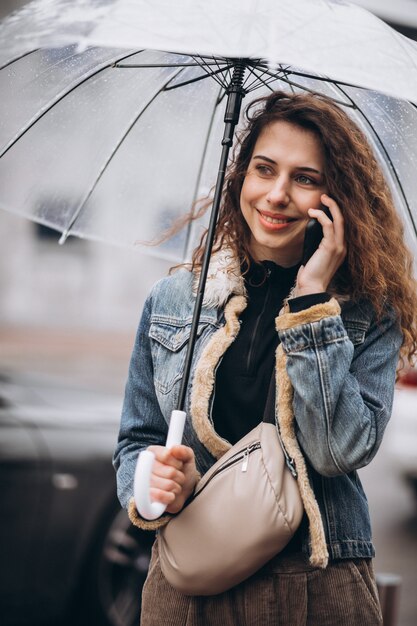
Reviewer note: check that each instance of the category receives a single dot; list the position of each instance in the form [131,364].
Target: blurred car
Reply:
[402,441]
[67,548]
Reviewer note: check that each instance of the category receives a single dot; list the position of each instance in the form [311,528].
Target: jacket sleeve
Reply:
[342,398]
[142,423]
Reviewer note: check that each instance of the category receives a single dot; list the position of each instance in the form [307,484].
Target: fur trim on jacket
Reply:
[224,279]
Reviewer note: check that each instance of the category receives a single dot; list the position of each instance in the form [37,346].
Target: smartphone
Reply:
[313,235]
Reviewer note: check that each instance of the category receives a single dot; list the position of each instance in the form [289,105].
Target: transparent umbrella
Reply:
[112,111]
[105,135]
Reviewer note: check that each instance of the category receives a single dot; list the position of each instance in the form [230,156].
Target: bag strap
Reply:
[269,418]
[269,411]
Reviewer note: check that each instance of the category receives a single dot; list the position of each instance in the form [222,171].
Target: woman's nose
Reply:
[278,192]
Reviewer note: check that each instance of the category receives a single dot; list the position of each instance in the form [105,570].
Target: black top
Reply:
[244,373]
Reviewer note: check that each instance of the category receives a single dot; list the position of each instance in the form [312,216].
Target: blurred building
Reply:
[80,284]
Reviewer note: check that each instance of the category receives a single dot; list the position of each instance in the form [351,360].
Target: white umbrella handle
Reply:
[148,509]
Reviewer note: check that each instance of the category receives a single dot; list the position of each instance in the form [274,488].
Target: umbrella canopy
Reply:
[106,133]
[330,37]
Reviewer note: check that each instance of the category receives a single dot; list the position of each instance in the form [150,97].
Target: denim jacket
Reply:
[340,361]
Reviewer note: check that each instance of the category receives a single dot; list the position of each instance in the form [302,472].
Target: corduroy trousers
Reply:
[287,591]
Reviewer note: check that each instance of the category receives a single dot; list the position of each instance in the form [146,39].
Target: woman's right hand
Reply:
[174,476]
[316,276]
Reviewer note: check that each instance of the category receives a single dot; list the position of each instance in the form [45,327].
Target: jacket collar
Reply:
[224,279]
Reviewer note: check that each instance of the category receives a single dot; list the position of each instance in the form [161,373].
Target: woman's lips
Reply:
[272,221]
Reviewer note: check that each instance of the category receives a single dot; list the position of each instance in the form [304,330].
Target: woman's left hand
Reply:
[316,275]
[174,476]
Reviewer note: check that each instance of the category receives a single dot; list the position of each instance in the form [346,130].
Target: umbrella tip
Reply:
[63,238]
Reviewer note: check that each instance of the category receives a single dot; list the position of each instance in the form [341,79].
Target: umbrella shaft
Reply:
[235,95]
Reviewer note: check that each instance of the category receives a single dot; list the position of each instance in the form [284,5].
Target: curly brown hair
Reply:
[378,265]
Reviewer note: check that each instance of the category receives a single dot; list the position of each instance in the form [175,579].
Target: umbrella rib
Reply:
[200,171]
[159,65]
[227,70]
[324,79]
[230,75]
[292,84]
[201,62]
[381,143]
[56,101]
[283,78]
[197,79]
[21,56]
[249,87]
[253,71]
[74,218]
[259,77]
[221,97]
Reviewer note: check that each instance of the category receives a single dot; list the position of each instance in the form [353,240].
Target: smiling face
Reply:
[284,179]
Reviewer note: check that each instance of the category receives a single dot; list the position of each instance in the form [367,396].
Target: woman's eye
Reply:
[305,180]
[263,170]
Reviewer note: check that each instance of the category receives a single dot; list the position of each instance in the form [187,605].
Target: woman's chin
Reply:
[285,253]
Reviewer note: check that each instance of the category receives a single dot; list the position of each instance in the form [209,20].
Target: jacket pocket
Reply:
[169,342]
[356,331]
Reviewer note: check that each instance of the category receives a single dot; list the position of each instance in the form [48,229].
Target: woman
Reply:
[343,319]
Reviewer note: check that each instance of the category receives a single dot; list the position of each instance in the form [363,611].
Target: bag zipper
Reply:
[241,455]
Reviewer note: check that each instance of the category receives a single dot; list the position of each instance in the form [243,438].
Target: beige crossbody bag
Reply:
[244,511]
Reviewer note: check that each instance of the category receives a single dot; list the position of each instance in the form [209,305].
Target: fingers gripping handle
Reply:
[148,509]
